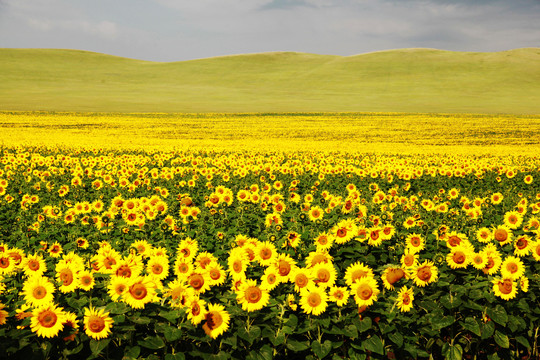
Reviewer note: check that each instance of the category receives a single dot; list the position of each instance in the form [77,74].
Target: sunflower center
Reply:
[96,324]
[266,254]
[4,262]
[478,259]
[512,219]
[323,240]
[86,280]
[314,299]
[512,267]
[424,273]
[47,318]
[183,268]
[66,276]
[253,294]
[338,295]
[408,260]
[454,240]
[138,291]
[213,320]
[124,271]
[196,281]
[505,287]
[157,269]
[109,262]
[501,235]
[374,235]
[33,265]
[270,279]
[459,257]
[406,300]
[364,292]
[284,268]
[323,275]
[196,309]
[521,244]
[301,280]
[237,266]
[39,292]
[341,232]
[215,274]
[415,241]
[185,252]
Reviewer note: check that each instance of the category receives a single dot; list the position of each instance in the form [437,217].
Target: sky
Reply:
[177,30]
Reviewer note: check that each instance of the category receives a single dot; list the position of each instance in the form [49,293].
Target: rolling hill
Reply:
[405,80]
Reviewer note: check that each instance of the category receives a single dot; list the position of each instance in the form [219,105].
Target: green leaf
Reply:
[455,352]
[350,331]
[177,356]
[374,344]
[172,334]
[476,294]
[292,321]
[251,335]
[472,325]
[265,353]
[321,350]
[297,345]
[501,339]
[523,341]
[277,339]
[117,308]
[152,342]
[172,316]
[442,322]
[133,352]
[498,314]
[365,324]
[396,338]
[487,330]
[140,320]
[96,346]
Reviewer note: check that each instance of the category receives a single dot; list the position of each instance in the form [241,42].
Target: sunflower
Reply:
[424,273]
[38,291]
[238,265]
[216,273]
[34,265]
[270,279]
[203,259]
[357,271]
[97,323]
[522,245]
[7,265]
[200,281]
[196,310]
[315,213]
[3,314]
[182,267]
[67,277]
[187,249]
[388,231]
[117,288]
[86,280]
[375,236]
[339,295]
[251,296]
[458,258]
[506,289]
[313,300]
[392,275]
[217,320]
[512,268]
[409,259]
[158,267]
[143,247]
[284,264]
[55,250]
[324,241]
[344,231]
[47,320]
[140,291]
[325,274]
[479,260]
[179,293]
[535,247]
[513,219]
[365,291]
[502,234]
[301,277]
[405,299]
[415,243]
[265,253]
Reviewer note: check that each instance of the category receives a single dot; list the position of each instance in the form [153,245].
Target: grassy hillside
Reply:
[407,80]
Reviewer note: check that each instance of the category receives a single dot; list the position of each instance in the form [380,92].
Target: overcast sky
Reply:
[174,30]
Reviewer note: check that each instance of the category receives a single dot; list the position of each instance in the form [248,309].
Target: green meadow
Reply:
[406,80]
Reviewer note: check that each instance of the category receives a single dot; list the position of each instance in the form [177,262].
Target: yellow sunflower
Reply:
[392,275]
[34,265]
[365,291]
[502,234]
[506,289]
[357,271]
[86,280]
[484,235]
[179,294]
[316,257]
[284,264]
[266,253]
[47,320]
[513,219]
[117,288]
[301,277]
[270,279]
[405,299]
[217,320]
[325,274]
[313,300]
[97,323]
[216,273]
[479,260]
[415,243]
[409,259]
[140,291]
[251,296]
[512,268]
[424,273]
[7,265]
[458,258]
[522,245]
[158,267]
[324,241]
[38,291]
[67,277]
[339,295]
[200,281]
[196,311]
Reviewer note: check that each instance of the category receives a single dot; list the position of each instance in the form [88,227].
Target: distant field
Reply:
[344,132]
[407,80]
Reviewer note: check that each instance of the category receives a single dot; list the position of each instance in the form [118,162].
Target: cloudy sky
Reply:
[174,30]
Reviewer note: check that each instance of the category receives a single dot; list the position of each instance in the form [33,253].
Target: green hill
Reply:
[406,80]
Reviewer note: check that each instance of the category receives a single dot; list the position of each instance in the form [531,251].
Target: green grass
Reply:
[407,80]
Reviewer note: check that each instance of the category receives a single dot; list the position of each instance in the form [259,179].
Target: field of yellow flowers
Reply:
[212,253]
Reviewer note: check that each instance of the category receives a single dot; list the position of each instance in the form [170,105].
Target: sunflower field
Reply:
[245,254]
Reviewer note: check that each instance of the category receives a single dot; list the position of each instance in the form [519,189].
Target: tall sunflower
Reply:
[97,323]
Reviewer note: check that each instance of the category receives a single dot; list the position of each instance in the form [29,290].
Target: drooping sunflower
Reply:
[217,320]
[251,296]
[512,268]
[141,290]
[357,271]
[38,291]
[391,275]
[47,320]
[424,273]
[97,323]
[405,299]
[365,291]
[313,300]
[339,295]
[506,289]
